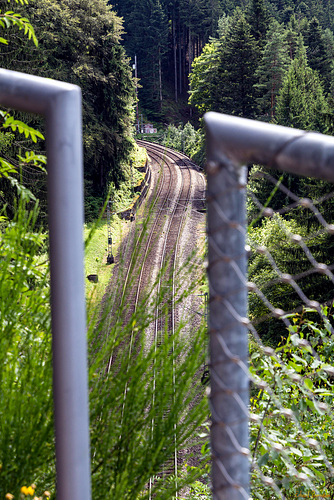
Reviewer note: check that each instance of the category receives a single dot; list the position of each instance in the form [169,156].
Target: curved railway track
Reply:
[151,250]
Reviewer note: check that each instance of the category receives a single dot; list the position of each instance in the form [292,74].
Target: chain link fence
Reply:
[270,269]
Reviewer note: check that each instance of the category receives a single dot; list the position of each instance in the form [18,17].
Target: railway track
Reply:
[179,189]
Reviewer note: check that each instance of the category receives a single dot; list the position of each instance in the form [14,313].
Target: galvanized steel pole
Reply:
[243,142]
[231,143]
[60,103]
[229,395]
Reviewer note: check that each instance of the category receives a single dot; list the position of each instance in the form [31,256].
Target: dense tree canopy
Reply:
[168,35]
[217,82]
[271,69]
[301,101]
[280,72]
[79,42]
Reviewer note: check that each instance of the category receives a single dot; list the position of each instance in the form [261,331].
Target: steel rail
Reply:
[172,267]
[177,246]
[133,257]
[156,327]
[172,152]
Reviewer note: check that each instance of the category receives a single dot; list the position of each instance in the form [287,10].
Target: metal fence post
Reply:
[231,143]
[229,395]
[60,103]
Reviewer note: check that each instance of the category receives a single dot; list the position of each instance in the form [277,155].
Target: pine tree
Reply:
[258,19]
[271,70]
[301,101]
[234,79]
[317,55]
[293,32]
[158,34]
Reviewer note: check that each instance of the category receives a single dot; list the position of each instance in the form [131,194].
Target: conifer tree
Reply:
[293,31]
[328,38]
[146,37]
[158,33]
[234,79]
[301,102]
[271,70]
[258,19]
[317,55]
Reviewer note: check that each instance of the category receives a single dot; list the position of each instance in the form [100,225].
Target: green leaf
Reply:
[10,18]
[263,460]
[6,168]
[24,192]
[298,358]
[23,128]
[34,159]
[295,451]
[308,383]
[317,473]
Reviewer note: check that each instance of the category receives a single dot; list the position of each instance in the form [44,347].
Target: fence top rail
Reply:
[30,93]
[243,142]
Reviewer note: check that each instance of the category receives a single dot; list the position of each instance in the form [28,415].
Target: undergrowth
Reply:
[127,449]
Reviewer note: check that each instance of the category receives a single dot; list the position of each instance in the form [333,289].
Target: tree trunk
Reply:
[189,51]
[160,80]
[180,58]
[175,59]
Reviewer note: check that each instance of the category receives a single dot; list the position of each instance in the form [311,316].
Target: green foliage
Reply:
[80,44]
[192,24]
[201,92]
[318,55]
[93,205]
[234,93]
[261,47]
[13,169]
[292,423]
[218,83]
[23,128]
[272,68]
[26,417]
[199,491]
[127,449]
[15,164]
[274,234]
[257,17]
[185,139]
[301,102]
[6,140]
[9,19]
[166,36]
[146,37]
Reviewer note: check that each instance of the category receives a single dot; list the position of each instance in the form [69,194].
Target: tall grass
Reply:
[26,416]
[127,450]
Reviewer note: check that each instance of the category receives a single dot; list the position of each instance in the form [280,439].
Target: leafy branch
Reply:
[22,2]
[22,128]
[31,158]
[10,18]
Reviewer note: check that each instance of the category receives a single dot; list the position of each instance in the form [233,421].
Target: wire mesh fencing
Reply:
[270,270]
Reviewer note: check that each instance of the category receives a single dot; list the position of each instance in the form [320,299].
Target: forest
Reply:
[269,60]
[169,36]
